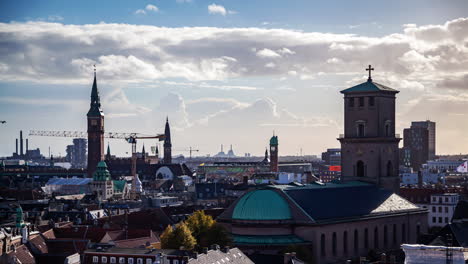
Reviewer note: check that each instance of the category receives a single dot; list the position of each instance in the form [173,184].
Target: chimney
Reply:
[16,147]
[226,249]
[21,143]
[194,254]
[27,147]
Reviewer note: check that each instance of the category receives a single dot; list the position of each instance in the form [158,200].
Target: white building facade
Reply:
[441,209]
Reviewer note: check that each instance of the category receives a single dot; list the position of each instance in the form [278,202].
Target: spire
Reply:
[95,105]
[143,152]
[266,153]
[108,155]
[167,133]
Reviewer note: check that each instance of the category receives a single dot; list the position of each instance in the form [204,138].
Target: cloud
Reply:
[55,18]
[140,12]
[267,53]
[217,9]
[420,56]
[152,8]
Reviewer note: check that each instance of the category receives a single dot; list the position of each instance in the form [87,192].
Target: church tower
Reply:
[274,154]
[95,130]
[167,144]
[369,146]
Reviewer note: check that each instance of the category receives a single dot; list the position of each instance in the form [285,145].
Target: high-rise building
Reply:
[420,139]
[369,146]
[332,157]
[167,143]
[95,130]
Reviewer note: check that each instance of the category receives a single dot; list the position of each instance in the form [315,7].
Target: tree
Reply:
[182,237]
[167,238]
[217,234]
[199,223]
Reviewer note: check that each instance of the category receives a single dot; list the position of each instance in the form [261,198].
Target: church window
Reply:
[418,230]
[322,245]
[345,242]
[356,241]
[394,234]
[385,237]
[403,233]
[361,101]
[389,169]
[376,237]
[95,259]
[360,168]
[351,102]
[366,238]
[334,244]
[371,101]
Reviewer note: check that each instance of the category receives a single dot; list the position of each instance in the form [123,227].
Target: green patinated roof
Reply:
[274,140]
[262,205]
[119,186]
[268,240]
[369,86]
[101,173]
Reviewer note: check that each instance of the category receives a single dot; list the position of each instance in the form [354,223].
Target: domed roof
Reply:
[262,205]
[274,140]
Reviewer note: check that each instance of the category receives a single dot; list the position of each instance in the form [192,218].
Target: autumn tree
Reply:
[181,236]
[206,231]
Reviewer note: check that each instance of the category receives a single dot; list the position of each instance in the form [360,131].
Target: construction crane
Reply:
[129,137]
[190,150]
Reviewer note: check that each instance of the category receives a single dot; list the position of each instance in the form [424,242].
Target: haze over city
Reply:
[229,72]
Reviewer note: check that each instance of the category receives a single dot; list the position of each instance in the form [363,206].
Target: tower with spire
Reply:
[95,130]
[167,143]
[274,153]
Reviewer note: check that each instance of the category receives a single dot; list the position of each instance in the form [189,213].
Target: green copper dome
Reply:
[274,140]
[101,173]
[262,205]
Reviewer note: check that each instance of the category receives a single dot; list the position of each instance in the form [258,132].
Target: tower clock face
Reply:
[273,148]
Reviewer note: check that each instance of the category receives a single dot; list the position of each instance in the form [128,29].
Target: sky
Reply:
[229,72]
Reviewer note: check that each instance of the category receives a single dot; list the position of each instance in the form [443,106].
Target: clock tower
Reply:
[274,154]
[95,130]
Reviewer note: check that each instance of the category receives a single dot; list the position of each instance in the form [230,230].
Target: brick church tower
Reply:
[369,146]
[95,130]
[167,143]
[274,154]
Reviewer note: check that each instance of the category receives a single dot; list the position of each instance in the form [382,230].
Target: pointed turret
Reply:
[167,143]
[95,105]
[143,152]
[108,154]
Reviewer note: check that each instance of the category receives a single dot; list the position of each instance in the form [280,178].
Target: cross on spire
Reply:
[369,70]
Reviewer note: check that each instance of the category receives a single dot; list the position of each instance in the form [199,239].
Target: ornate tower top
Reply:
[95,105]
[101,173]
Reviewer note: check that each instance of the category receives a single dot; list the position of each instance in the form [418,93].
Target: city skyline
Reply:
[225,75]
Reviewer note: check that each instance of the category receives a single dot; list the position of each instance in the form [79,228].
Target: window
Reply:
[334,244]
[356,241]
[130,260]
[433,209]
[139,261]
[385,237]
[345,242]
[113,260]
[361,101]
[361,130]
[351,102]
[95,259]
[434,219]
[360,168]
[121,260]
[446,199]
[403,233]
[371,101]
[440,209]
[366,238]
[104,259]
[446,220]
[446,209]
[322,245]
[394,234]
[434,199]
[376,237]
[440,219]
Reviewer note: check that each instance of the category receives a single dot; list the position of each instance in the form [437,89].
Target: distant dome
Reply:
[262,205]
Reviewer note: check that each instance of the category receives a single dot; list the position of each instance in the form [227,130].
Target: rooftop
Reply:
[369,86]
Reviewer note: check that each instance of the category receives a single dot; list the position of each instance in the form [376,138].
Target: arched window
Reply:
[366,238]
[389,169]
[356,241]
[334,244]
[394,234]
[403,233]
[360,168]
[385,236]
[345,242]
[322,245]
[376,237]
[351,102]
[361,130]
[388,128]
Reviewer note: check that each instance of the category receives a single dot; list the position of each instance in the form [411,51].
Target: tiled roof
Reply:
[369,86]
[39,243]
[234,256]
[22,255]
